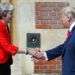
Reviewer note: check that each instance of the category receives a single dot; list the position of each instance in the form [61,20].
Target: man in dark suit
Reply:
[67,49]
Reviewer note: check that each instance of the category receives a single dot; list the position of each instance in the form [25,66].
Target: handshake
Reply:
[36,53]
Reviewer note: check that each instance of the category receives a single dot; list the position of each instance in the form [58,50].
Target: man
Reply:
[7,49]
[67,49]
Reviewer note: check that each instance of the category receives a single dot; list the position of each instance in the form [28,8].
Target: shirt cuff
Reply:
[45,55]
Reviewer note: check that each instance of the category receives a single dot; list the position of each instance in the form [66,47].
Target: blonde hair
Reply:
[69,12]
[5,8]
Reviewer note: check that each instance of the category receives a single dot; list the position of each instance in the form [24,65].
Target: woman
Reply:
[7,49]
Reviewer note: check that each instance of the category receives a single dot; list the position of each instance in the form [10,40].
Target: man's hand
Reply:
[39,55]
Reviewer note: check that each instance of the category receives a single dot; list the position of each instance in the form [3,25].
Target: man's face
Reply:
[65,21]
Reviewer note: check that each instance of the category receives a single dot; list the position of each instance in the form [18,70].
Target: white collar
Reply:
[71,27]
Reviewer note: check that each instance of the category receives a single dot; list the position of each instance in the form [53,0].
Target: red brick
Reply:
[48,11]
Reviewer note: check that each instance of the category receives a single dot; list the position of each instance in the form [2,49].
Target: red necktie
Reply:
[69,34]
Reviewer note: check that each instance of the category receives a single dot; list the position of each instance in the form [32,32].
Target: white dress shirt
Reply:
[71,26]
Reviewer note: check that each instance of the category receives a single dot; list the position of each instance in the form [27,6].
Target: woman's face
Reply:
[8,16]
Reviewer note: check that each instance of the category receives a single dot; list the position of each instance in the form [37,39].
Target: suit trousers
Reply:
[5,69]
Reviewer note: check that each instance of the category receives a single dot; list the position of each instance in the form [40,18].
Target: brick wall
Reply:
[52,66]
[47,17]
[47,14]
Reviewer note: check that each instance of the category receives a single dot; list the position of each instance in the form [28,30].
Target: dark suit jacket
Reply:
[6,47]
[67,51]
